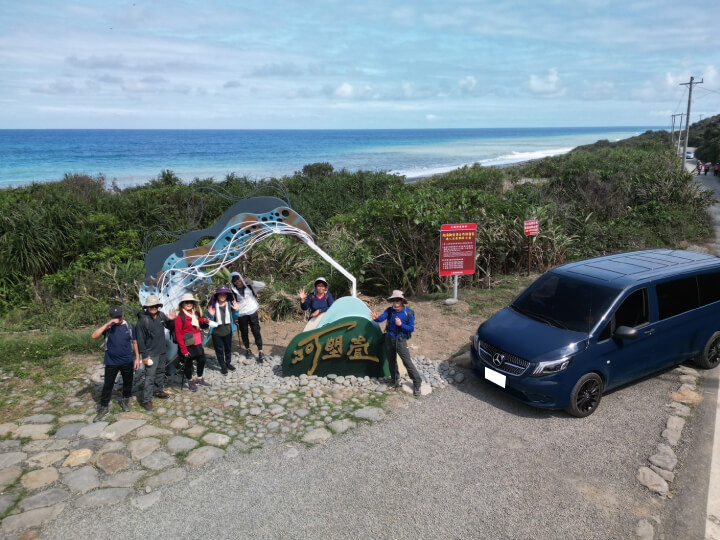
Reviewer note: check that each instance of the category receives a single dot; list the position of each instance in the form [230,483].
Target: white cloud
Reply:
[348,91]
[467,85]
[547,86]
[430,117]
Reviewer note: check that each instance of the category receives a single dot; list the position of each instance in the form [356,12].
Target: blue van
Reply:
[589,326]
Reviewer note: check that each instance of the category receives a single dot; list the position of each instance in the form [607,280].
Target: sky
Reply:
[326,64]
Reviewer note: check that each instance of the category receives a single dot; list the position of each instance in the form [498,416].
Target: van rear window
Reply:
[709,285]
[678,296]
[565,302]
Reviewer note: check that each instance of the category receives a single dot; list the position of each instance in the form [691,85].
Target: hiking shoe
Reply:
[125,404]
[102,411]
[192,386]
[162,394]
[416,391]
[148,406]
[224,370]
[202,382]
[231,367]
[248,353]
[260,358]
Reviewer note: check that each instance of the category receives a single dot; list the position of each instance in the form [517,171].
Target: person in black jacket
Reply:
[153,348]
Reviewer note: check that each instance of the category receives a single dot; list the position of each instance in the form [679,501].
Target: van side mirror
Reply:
[625,332]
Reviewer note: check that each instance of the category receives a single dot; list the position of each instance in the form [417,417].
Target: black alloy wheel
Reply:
[711,355]
[585,396]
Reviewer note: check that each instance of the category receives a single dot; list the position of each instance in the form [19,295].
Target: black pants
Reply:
[254,323]
[399,346]
[126,370]
[223,349]
[197,353]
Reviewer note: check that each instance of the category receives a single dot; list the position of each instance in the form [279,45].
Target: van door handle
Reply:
[650,332]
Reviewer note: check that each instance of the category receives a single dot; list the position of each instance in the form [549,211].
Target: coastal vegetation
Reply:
[68,249]
[705,136]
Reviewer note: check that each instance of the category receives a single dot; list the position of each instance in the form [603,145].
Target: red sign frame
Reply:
[457,249]
[532,227]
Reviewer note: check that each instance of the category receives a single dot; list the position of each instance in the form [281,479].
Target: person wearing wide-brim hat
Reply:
[222,314]
[399,328]
[318,301]
[189,339]
[153,348]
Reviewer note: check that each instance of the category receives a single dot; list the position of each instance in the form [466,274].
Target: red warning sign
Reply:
[457,249]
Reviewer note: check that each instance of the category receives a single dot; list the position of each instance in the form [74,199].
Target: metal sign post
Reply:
[532,228]
[457,252]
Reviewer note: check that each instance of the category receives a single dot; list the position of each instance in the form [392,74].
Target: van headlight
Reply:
[551,367]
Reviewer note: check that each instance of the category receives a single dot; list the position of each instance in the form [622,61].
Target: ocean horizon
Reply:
[133,156]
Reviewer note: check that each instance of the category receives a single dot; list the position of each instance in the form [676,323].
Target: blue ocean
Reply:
[133,157]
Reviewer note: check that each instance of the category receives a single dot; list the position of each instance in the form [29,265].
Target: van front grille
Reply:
[511,364]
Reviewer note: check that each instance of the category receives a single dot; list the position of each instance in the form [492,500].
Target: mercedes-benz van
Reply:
[589,326]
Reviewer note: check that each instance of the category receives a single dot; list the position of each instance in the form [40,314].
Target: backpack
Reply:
[410,313]
[127,325]
[145,325]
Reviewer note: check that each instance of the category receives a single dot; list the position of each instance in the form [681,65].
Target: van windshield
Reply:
[565,302]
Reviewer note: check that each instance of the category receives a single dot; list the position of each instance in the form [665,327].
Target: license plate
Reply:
[494,376]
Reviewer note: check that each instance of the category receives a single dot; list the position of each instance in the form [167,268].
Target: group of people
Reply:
[708,166]
[127,345]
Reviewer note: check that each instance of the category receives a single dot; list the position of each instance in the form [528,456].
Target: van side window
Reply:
[632,312]
[709,285]
[675,297]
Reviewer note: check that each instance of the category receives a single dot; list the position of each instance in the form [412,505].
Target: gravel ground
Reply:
[466,461]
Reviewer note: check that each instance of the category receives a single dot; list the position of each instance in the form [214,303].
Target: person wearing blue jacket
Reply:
[222,315]
[399,328]
[318,301]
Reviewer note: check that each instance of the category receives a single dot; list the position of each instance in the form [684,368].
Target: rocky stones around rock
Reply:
[195,431]
[664,458]
[652,480]
[82,480]
[666,475]
[680,410]
[688,397]
[78,457]
[9,459]
[158,461]
[12,525]
[170,476]
[124,479]
[216,439]
[38,419]
[317,436]
[40,478]
[8,476]
[180,423]
[67,419]
[121,428]
[374,414]
[44,498]
[202,456]
[69,430]
[7,429]
[33,431]
[92,431]
[103,496]
[45,459]
[141,448]
[644,530]
[341,426]
[673,431]
[153,431]
[112,463]
[181,444]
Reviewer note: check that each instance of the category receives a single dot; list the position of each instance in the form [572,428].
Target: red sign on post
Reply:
[532,227]
[457,249]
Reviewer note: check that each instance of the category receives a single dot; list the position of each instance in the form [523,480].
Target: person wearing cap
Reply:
[121,356]
[399,328]
[188,323]
[245,293]
[153,348]
[223,313]
[318,301]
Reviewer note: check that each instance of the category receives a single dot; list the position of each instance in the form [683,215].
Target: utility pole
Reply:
[679,132]
[687,119]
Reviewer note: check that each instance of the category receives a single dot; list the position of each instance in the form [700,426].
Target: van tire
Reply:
[710,357]
[585,396]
